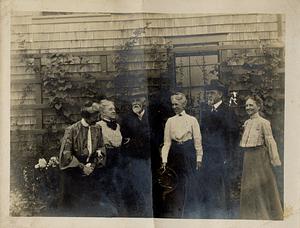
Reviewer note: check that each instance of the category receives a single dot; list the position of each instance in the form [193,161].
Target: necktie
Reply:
[111,124]
[89,143]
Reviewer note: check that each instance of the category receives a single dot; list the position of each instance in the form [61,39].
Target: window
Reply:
[193,72]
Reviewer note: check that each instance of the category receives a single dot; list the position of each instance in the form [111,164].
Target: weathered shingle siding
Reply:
[34,33]
[106,33]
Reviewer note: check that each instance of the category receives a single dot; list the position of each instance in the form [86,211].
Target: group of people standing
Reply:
[106,168]
[107,165]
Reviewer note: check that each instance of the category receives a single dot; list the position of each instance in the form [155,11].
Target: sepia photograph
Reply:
[147,115]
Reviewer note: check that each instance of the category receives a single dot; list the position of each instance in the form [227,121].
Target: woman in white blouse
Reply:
[112,140]
[182,152]
[259,194]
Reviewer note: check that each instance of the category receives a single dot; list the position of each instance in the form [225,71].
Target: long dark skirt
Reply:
[182,159]
[112,179]
[83,195]
[137,189]
[259,194]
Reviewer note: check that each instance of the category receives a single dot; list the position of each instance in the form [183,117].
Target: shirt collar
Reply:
[140,115]
[84,123]
[254,116]
[216,105]
[182,113]
[106,119]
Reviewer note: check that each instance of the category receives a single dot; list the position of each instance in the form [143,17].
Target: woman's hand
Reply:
[163,165]
[87,170]
[276,162]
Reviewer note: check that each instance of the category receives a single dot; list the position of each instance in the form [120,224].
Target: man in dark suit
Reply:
[136,155]
[219,130]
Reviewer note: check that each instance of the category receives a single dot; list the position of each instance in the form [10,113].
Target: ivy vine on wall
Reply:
[120,60]
[59,83]
[256,74]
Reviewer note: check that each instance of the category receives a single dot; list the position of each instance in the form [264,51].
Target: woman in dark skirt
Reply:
[182,152]
[259,194]
[80,162]
[112,138]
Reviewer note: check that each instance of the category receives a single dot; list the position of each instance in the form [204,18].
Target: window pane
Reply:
[196,76]
[201,69]
[182,61]
[211,59]
[211,72]
[182,76]
[197,60]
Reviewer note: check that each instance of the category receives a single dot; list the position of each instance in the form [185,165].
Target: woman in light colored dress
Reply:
[112,140]
[259,194]
[182,152]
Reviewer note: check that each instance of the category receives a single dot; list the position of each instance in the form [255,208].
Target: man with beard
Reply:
[219,130]
[136,156]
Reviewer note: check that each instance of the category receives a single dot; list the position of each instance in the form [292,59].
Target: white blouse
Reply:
[258,132]
[181,128]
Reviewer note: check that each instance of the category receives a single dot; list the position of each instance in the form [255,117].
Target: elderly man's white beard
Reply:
[137,108]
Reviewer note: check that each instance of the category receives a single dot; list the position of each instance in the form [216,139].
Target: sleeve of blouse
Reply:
[271,144]
[167,142]
[197,139]
[66,157]
[243,136]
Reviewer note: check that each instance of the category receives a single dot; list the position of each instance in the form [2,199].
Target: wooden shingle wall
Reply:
[105,32]
[97,36]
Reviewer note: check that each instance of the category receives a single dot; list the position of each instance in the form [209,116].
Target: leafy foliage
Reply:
[58,82]
[258,74]
[120,60]
[40,189]
[27,90]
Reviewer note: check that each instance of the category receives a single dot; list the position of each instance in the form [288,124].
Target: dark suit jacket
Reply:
[139,133]
[220,132]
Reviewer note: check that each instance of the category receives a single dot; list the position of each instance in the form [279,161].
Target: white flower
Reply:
[53,161]
[37,166]
[42,163]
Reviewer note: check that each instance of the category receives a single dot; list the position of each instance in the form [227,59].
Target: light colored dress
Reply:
[112,138]
[113,179]
[259,194]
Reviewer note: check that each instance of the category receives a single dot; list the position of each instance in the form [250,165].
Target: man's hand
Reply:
[198,165]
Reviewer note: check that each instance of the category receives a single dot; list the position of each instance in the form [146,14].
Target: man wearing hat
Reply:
[136,154]
[219,135]
[81,155]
